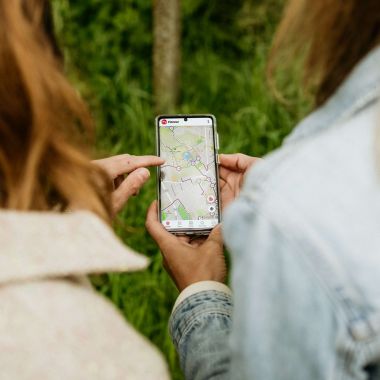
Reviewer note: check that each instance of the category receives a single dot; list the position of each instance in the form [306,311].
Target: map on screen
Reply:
[188,177]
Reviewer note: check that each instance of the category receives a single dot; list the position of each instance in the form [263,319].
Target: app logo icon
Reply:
[164,122]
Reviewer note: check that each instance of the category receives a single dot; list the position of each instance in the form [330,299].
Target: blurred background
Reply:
[131,59]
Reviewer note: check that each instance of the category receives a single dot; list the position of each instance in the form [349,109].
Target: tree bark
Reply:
[166,54]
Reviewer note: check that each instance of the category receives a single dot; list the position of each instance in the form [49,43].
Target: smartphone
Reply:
[188,182]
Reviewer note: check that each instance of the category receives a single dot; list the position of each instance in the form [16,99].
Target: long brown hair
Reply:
[44,125]
[330,36]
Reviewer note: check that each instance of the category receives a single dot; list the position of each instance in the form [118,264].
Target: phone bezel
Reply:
[189,231]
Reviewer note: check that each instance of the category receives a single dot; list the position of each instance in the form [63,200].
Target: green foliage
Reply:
[108,50]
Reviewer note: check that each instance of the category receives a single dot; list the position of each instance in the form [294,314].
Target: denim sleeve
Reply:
[200,328]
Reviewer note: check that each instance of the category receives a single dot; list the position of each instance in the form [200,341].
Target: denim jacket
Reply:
[304,236]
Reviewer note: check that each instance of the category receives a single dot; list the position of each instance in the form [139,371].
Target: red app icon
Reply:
[164,122]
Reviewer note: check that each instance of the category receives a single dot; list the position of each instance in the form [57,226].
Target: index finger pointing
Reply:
[128,163]
[125,163]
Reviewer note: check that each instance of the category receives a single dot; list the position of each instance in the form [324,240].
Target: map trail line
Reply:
[188,178]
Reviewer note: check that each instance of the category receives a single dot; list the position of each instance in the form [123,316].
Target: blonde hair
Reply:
[44,125]
[329,37]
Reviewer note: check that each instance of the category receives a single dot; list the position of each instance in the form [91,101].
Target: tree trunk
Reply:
[166,54]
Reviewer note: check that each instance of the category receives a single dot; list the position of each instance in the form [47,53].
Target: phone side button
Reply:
[217,159]
[217,141]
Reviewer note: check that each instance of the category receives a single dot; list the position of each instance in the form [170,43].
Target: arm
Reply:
[200,326]
[287,323]
[201,319]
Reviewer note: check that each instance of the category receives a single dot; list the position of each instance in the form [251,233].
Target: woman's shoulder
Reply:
[52,325]
[336,165]
[51,244]
[320,195]
[60,329]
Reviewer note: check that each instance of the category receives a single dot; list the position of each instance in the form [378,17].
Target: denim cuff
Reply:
[198,287]
[196,308]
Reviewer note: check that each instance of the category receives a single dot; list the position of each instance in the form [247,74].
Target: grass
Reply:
[107,46]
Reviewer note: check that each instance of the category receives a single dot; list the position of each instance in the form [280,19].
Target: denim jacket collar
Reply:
[361,88]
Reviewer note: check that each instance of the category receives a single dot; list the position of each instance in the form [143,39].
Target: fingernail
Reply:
[144,173]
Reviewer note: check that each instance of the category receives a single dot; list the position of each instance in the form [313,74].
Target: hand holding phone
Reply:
[188,182]
[232,171]
[188,259]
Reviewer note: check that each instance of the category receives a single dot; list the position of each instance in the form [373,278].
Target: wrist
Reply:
[201,286]
[195,310]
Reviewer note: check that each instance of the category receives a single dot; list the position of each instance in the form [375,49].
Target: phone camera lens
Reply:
[185,119]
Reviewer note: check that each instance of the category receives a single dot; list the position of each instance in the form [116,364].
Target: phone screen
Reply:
[188,181]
